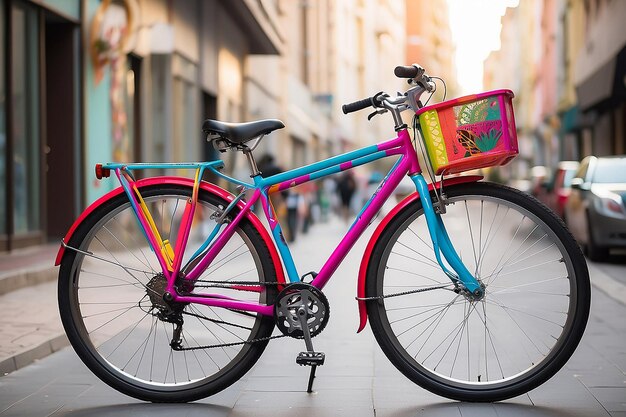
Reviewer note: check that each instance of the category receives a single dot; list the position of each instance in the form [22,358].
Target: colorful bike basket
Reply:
[470,132]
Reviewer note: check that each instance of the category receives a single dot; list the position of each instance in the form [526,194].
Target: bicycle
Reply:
[170,287]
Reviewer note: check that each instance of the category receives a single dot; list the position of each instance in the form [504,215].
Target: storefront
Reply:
[39,119]
[602,98]
[88,81]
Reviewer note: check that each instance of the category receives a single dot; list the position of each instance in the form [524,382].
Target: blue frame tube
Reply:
[437,230]
[441,240]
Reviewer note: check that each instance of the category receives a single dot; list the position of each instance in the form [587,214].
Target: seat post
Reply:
[253,166]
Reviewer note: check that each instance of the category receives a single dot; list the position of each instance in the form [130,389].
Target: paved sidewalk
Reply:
[27,267]
[30,325]
[357,378]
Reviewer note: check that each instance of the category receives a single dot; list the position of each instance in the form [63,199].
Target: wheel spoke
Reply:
[124,325]
[469,345]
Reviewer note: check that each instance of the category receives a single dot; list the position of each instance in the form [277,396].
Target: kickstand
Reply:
[311,378]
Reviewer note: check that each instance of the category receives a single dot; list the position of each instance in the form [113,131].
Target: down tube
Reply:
[362,221]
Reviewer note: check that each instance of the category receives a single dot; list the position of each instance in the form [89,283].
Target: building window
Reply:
[185,121]
[298,152]
[186,101]
[25,119]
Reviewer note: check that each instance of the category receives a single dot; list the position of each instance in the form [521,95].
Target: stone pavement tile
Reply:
[228,397]
[601,377]
[45,401]
[346,363]
[587,357]
[299,384]
[514,410]
[102,409]
[278,383]
[320,399]
[100,394]
[477,410]
[15,388]
[392,392]
[421,410]
[619,360]
[303,412]
[563,390]
[611,398]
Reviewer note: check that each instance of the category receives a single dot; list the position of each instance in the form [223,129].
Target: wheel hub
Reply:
[165,309]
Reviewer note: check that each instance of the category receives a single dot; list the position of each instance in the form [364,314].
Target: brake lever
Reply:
[381,111]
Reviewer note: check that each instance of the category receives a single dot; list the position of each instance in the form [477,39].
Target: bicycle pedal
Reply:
[310,358]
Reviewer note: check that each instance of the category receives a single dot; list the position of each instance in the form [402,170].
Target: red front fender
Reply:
[370,245]
[214,189]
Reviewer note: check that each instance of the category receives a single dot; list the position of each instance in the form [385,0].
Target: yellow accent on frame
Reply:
[166,248]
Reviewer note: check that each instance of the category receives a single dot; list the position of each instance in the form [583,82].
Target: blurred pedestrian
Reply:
[295,208]
[268,167]
[346,186]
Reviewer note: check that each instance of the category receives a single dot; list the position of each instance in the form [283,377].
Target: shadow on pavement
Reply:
[149,409]
[452,409]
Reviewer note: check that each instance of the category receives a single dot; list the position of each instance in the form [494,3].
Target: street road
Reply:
[357,379]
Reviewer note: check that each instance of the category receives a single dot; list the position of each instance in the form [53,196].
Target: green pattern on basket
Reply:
[488,141]
[478,111]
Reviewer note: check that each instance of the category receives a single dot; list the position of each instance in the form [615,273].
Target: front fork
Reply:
[442,244]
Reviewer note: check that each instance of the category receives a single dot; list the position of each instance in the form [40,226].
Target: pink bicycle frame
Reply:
[406,164]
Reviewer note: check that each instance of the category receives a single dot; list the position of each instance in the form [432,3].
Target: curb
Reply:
[31,354]
[611,287]
[27,277]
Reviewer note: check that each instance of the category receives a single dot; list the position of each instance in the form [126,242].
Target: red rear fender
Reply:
[214,189]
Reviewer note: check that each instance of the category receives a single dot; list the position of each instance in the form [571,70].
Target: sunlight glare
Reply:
[475,26]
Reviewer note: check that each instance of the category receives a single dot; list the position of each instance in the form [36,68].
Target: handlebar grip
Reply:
[406,71]
[357,105]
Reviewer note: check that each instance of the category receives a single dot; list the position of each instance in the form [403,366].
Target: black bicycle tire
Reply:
[377,314]
[263,329]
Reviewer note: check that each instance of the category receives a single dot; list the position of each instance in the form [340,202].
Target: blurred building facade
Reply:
[516,66]
[564,59]
[86,81]
[600,78]
[40,118]
[335,52]
[429,42]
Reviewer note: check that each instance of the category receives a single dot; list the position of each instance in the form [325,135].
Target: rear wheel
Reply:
[518,335]
[112,307]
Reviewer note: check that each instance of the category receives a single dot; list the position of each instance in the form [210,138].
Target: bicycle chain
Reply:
[263,339]
[229,284]
[380,297]
[245,342]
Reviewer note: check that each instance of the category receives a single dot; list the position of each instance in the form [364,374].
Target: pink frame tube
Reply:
[407,164]
[361,223]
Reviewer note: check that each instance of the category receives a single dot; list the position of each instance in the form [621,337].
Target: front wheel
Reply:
[524,329]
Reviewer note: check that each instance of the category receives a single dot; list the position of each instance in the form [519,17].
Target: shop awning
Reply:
[604,85]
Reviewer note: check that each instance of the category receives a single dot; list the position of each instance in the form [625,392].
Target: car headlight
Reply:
[609,204]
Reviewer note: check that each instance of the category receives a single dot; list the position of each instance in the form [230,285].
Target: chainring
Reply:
[290,299]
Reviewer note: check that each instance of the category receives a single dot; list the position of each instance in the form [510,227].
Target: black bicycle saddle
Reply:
[241,132]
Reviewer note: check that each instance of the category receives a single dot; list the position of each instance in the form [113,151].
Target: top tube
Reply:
[401,145]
